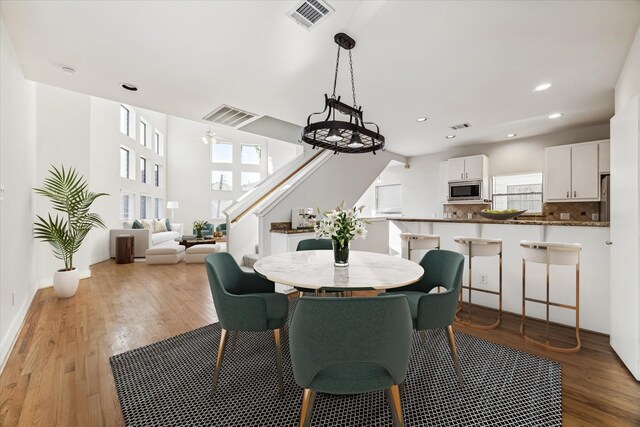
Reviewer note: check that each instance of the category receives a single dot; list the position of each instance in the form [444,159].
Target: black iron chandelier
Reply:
[342,136]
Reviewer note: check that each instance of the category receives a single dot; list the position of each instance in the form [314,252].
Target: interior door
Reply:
[473,168]
[558,177]
[625,298]
[585,179]
[456,169]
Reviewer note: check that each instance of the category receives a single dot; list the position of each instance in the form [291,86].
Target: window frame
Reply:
[540,193]
[144,127]
[259,150]
[131,205]
[156,174]
[127,161]
[127,125]
[143,170]
[157,143]
[225,172]
[377,197]
[220,144]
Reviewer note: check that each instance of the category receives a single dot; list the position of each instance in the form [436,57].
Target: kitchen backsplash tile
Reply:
[578,211]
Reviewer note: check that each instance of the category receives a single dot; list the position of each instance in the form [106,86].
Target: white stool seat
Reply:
[421,241]
[479,246]
[550,252]
[197,253]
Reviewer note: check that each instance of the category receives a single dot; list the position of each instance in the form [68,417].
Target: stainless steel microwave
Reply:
[464,191]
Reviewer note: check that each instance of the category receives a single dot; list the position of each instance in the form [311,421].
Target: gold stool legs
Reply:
[470,288]
[546,345]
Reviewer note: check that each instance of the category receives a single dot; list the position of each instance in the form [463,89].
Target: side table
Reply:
[124,249]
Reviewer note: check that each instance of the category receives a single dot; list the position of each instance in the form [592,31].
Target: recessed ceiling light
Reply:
[421,119]
[555,115]
[541,87]
[450,136]
[511,135]
[69,70]
[129,86]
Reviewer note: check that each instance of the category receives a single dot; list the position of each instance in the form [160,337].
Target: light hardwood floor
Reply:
[58,372]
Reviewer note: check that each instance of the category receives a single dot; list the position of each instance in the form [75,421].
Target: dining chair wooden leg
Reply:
[306,412]
[276,337]
[454,353]
[221,348]
[393,398]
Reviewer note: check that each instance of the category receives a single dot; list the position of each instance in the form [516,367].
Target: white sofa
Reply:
[144,239]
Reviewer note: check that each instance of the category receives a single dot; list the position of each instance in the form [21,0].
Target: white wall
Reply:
[628,84]
[18,176]
[421,191]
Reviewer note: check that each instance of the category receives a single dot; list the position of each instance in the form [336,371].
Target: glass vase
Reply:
[340,254]
[199,233]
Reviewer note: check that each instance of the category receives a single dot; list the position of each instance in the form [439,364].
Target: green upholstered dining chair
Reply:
[312,245]
[244,302]
[442,268]
[370,353]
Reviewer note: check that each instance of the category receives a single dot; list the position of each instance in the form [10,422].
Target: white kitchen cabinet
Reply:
[604,157]
[572,173]
[471,168]
[585,179]
[558,176]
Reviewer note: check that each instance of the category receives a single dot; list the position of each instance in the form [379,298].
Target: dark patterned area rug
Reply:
[168,384]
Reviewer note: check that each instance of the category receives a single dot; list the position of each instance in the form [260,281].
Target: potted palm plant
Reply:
[68,192]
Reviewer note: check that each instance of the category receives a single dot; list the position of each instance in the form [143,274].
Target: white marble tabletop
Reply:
[315,270]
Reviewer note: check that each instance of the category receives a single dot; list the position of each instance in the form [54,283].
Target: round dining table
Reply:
[315,270]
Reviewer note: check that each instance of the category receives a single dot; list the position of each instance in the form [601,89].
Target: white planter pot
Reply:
[65,283]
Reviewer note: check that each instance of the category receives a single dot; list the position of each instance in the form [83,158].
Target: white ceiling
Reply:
[454,62]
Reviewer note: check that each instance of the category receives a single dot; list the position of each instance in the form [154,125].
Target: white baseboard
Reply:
[48,282]
[9,340]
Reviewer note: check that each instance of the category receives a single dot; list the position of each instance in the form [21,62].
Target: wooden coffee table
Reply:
[187,243]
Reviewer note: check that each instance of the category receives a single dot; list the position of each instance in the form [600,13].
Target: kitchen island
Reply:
[594,264]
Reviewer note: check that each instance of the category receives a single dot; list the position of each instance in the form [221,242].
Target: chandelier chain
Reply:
[353,84]
[335,79]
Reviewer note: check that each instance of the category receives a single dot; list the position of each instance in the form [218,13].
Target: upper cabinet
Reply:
[573,172]
[603,156]
[471,168]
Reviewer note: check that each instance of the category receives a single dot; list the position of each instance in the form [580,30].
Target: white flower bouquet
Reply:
[341,226]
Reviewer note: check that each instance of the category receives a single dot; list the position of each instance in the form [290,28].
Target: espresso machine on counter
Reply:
[302,218]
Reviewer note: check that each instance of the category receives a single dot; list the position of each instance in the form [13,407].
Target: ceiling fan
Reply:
[211,137]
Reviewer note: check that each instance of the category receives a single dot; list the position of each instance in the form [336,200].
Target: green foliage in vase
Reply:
[68,192]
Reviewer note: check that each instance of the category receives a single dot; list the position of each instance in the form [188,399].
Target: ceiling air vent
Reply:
[229,116]
[461,126]
[308,13]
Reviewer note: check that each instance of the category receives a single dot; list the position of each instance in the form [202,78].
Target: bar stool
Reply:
[551,254]
[420,242]
[479,247]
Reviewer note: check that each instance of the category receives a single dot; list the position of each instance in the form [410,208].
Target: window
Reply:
[222,153]
[156,175]
[218,207]
[157,143]
[143,133]
[248,180]
[158,208]
[145,206]
[221,180]
[124,163]
[522,191]
[250,154]
[125,116]
[389,199]
[143,170]
[126,206]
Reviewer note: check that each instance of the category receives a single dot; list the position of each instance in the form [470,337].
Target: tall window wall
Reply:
[142,163]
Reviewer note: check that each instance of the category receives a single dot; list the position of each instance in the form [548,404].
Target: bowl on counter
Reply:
[501,216]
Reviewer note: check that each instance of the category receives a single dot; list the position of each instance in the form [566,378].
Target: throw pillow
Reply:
[159,225]
[147,224]
[137,225]
[168,224]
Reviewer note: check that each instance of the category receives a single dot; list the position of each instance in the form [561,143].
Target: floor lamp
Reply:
[172,204]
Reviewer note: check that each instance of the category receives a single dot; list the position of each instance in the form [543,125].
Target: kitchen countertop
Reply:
[292,231]
[569,223]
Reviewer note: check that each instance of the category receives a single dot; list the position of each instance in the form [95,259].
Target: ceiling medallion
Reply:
[349,135]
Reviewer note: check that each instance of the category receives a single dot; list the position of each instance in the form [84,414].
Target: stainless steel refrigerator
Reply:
[605,199]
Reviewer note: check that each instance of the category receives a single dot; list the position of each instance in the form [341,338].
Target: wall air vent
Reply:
[309,13]
[229,116]
[461,126]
